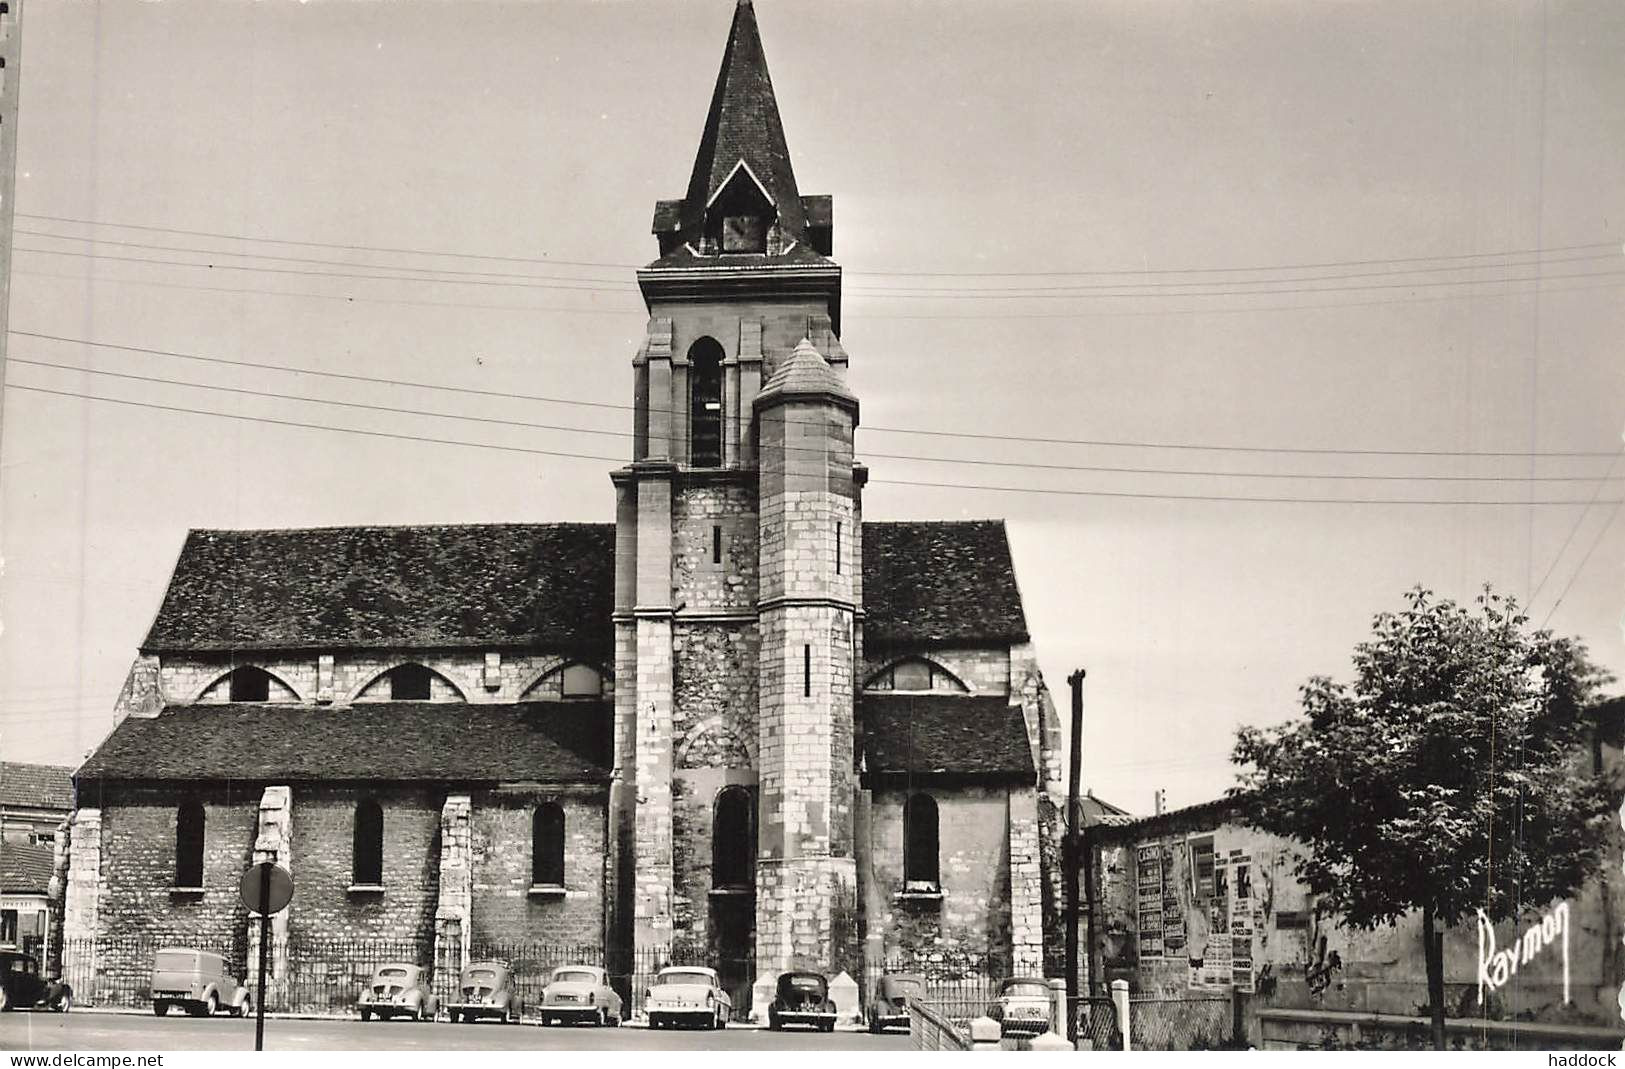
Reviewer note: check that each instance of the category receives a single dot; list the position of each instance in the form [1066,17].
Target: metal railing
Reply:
[1157,1023]
[931,1031]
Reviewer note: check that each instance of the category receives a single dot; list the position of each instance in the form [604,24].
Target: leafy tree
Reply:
[1447,777]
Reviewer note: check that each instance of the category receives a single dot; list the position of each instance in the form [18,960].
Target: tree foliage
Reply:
[1453,773]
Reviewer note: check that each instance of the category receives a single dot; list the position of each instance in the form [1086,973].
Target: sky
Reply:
[1070,222]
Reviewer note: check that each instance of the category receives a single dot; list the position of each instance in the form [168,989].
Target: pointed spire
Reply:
[743,125]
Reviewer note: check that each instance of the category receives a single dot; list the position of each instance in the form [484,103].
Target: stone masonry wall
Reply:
[467,675]
[701,582]
[973,917]
[714,701]
[504,910]
[325,908]
[984,671]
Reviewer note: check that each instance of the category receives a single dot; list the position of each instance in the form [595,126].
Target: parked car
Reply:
[23,986]
[196,981]
[687,995]
[889,1006]
[578,993]
[486,990]
[1022,1005]
[802,998]
[398,990]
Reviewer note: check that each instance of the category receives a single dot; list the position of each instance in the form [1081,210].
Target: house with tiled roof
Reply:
[34,801]
[741,725]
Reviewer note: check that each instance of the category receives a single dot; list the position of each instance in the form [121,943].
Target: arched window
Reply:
[367,847]
[705,403]
[581,681]
[409,683]
[915,674]
[547,845]
[733,840]
[920,865]
[189,844]
[249,684]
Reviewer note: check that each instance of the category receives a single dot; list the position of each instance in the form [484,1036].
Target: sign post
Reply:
[267,888]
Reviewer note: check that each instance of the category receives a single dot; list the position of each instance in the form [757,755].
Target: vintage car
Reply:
[398,990]
[23,986]
[889,1006]
[197,981]
[1022,1005]
[687,995]
[802,998]
[486,990]
[578,993]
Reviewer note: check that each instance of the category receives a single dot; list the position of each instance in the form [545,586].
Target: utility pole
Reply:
[1072,848]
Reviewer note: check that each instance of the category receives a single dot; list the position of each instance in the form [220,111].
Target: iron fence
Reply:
[959,987]
[118,972]
[736,973]
[1094,1024]
[324,977]
[1181,1023]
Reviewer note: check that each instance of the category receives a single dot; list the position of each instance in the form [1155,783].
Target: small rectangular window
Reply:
[837,547]
[806,671]
[716,545]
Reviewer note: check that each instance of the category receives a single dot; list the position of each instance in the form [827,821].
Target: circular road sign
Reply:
[271,880]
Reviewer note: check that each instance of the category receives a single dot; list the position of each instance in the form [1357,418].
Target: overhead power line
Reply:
[1143,291]
[549,261]
[401,436]
[970,435]
[914,291]
[968,461]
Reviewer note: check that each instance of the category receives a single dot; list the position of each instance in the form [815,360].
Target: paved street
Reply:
[83,1031]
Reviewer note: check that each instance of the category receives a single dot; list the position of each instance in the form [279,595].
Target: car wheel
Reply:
[211,1007]
[366,1015]
[246,1008]
[828,1026]
[160,1008]
[65,1003]
[773,1024]
[5,999]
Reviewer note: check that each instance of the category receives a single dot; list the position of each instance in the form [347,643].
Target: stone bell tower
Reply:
[737,564]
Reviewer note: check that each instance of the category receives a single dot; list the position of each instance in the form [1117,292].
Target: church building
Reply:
[741,725]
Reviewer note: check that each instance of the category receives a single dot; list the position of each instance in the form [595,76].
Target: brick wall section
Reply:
[504,910]
[973,917]
[324,837]
[81,901]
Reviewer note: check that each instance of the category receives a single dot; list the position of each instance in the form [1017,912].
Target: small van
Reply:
[196,981]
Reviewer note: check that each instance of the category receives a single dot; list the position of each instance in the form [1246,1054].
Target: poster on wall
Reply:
[1149,879]
[1173,911]
[1241,921]
[1216,969]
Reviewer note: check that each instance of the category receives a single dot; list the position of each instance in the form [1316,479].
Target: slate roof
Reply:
[936,734]
[546,586]
[25,868]
[927,582]
[743,123]
[805,371]
[534,586]
[25,786]
[549,742]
